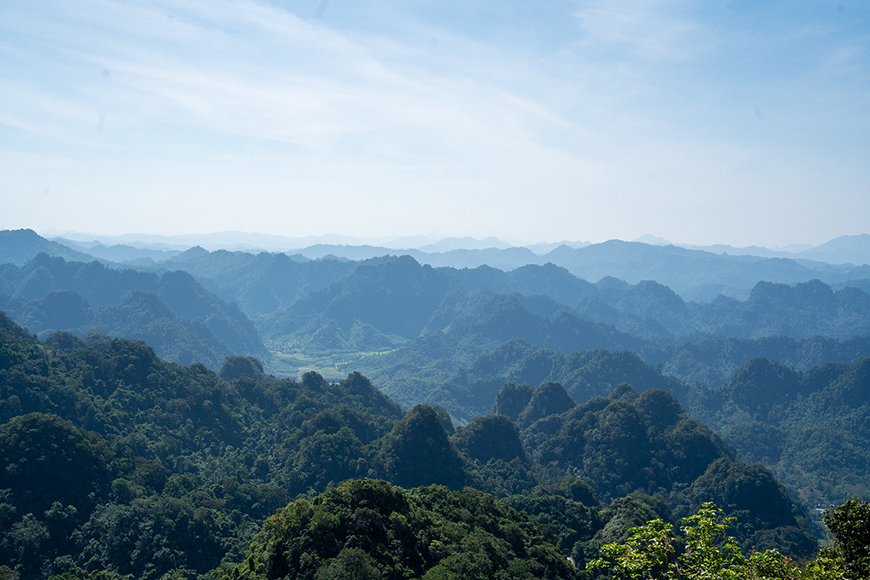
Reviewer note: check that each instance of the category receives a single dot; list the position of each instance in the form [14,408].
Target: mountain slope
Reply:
[20,246]
[261,283]
[689,272]
[181,464]
[171,311]
[812,428]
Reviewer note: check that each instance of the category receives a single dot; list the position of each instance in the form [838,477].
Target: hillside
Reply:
[260,283]
[811,428]
[158,467]
[475,326]
[293,299]
[394,297]
[172,311]
[461,367]
[20,246]
[384,303]
[370,529]
[794,419]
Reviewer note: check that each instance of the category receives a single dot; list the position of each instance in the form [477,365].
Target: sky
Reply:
[702,122]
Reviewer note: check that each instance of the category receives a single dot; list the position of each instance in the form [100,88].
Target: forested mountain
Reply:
[462,367]
[804,310]
[806,423]
[387,297]
[811,428]
[469,389]
[669,454]
[261,283]
[383,303]
[329,305]
[370,529]
[294,298]
[20,246]
[532,280]
[120,253]
[475,326]
[386,302]
[269,284]
[712,360]
[656,312]
[183,321]
[157,467]
[780,377]
[694,273]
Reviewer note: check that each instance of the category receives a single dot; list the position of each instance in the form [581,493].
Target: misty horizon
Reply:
[433,242]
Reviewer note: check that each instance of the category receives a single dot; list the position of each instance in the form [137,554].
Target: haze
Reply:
[700,122]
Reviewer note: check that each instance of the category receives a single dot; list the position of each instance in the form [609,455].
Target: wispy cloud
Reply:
[607,115]
[251,70]
[649,29]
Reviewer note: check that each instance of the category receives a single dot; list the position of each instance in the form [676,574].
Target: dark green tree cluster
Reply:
[116,461]
[371,529]
[631,442]
[811,428]
[178,464]
[704,550]
[850,525]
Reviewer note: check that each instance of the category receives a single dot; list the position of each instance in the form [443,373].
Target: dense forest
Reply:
[118,461]
[466,422]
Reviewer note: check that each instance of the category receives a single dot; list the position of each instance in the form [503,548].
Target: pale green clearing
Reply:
[331,366]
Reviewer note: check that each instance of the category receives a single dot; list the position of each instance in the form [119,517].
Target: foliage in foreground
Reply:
[651,551]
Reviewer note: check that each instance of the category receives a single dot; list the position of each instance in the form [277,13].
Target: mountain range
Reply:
[695,274]
[171,312]
[578,388]
[854,249]
[114,460]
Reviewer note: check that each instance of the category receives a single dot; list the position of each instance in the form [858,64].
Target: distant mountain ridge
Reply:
[121,253]
[695,274]
[399,296]
[172,311]
[20,246]
[847,249]
[842,250]
[339,305]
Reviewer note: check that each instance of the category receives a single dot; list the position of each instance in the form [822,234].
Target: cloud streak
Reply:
[372,128]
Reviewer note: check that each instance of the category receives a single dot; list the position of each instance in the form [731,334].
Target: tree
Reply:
[709,554]
[646,554]
[850,524]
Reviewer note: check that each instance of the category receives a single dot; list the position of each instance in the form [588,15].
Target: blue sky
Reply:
[744,122]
